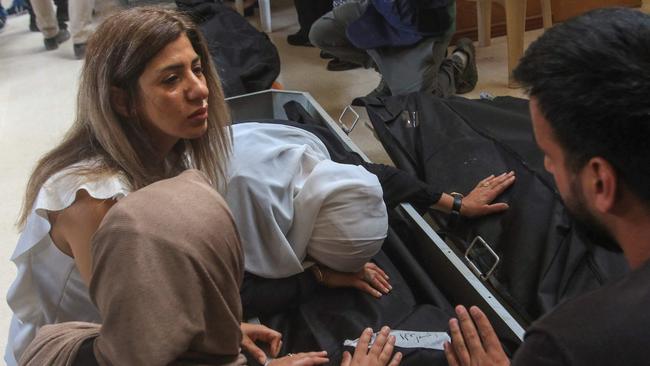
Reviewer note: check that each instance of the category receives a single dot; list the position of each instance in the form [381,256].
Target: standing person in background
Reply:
[3,17]
[81,16]
[61,15]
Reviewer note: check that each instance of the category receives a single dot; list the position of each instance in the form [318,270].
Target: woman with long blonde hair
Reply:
[149,106]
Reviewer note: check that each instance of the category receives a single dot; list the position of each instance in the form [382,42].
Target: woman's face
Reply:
[173,94]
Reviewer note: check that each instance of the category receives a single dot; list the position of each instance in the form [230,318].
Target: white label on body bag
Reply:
[411,339]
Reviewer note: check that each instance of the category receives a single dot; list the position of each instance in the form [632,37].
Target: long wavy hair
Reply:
[116,56]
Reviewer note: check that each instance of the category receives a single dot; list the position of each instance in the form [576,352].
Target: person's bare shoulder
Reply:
[74,226]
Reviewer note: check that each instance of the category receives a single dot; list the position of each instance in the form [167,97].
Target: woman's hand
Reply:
[378,355]
[258,332]
[370,279]
[477,202]
[301,359]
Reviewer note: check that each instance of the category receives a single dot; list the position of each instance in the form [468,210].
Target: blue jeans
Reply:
[18,4]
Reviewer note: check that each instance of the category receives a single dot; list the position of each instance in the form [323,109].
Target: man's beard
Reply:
[586,223]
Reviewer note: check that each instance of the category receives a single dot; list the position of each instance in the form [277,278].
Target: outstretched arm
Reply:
[400,186]
[478,202]
[370,279]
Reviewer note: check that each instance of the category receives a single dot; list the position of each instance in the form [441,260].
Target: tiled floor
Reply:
[37,101]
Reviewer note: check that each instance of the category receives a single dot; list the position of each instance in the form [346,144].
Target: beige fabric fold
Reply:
[167,266]
[58,344]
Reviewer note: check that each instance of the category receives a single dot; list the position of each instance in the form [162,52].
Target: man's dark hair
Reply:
[591,78]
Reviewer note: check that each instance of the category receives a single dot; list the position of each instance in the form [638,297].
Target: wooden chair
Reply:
[645,6]
[265,13]
[515,27]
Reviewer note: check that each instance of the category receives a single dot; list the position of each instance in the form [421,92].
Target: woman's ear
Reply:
[120,102]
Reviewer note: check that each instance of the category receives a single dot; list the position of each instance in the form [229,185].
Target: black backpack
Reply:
[246,59]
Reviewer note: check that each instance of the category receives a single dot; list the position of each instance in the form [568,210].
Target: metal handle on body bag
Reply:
[342,124]
[484,276]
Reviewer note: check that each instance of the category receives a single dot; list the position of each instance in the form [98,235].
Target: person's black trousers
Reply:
[61,13]
[309,11]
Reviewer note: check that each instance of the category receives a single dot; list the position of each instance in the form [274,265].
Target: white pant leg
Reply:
[81,19]
[46,17]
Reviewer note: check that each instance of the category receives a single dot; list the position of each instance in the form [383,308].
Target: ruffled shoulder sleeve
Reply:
[58,193]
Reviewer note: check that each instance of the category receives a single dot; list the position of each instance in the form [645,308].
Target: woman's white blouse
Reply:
[48,287]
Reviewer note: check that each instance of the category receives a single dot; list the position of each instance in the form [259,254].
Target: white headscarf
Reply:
[290,200]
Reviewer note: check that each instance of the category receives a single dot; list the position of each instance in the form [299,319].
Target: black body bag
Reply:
[452,144]
[332,316]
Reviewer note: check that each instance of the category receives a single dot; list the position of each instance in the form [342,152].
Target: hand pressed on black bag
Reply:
[370,279]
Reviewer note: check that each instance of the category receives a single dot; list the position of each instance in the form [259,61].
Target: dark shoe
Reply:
[33,27]
[465,76]
[79,50]
[340,65]
[299,39]
[54,42]
[325,55]
[249,11]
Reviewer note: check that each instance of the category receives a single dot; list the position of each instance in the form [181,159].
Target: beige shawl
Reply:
[167,266]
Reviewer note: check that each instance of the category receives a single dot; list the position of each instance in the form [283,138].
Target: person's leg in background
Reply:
[422,67]
[425,67]
[61,14]
[81,17]
[48,24]
[3,17]
[329,34]
[32,17]
[308,12]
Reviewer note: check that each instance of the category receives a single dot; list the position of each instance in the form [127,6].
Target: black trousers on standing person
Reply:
[61,14]
[308,12]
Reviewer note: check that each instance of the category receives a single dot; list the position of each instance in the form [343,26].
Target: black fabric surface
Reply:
[457,142]
[246,59]
[264,297]
[334,315]
[309,11]
[398,185]
[85,355]
[606,327]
